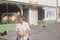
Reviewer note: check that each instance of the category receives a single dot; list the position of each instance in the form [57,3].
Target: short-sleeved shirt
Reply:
[21,29]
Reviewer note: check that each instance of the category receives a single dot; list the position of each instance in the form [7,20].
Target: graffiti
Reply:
[49,13]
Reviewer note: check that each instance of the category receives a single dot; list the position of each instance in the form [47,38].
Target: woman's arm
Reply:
[21,35]
[28,29]
[18,33]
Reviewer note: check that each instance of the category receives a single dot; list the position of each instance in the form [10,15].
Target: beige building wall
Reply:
[58,2]
[33,12]
[33,16]
[40,2]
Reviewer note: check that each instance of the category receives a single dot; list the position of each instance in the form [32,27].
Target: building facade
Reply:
[35,11]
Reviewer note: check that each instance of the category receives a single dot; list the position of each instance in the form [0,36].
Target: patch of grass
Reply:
[7,27]
[46,22]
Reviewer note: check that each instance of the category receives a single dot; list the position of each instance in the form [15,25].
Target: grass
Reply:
[46,22]
[7,27]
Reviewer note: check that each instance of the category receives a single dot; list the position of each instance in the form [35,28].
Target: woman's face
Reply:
[20,20]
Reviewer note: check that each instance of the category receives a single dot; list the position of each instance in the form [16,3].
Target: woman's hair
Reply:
[21,17]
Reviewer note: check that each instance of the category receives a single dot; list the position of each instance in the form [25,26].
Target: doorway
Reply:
[26,14]
[41,13]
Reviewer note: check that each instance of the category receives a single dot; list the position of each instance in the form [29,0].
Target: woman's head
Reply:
[20,19]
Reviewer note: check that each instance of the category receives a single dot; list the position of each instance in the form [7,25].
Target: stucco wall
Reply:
[50,13]
[58,2]
[33,16]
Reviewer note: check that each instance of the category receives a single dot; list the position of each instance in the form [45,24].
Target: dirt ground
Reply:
[50,32]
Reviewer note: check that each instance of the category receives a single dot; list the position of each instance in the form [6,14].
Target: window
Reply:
[8,13]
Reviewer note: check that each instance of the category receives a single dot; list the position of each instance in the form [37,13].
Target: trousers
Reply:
[27,39]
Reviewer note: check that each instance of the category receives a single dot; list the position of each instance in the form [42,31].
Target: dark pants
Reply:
[27,39]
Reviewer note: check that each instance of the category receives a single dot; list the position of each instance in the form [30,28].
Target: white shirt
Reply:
[22,29]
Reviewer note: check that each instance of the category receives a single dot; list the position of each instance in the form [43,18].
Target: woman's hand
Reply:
[21,35]
[27,31]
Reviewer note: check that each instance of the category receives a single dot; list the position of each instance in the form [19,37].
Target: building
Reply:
[35,11]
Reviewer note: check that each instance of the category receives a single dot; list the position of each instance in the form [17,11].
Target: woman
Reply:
[22,29]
